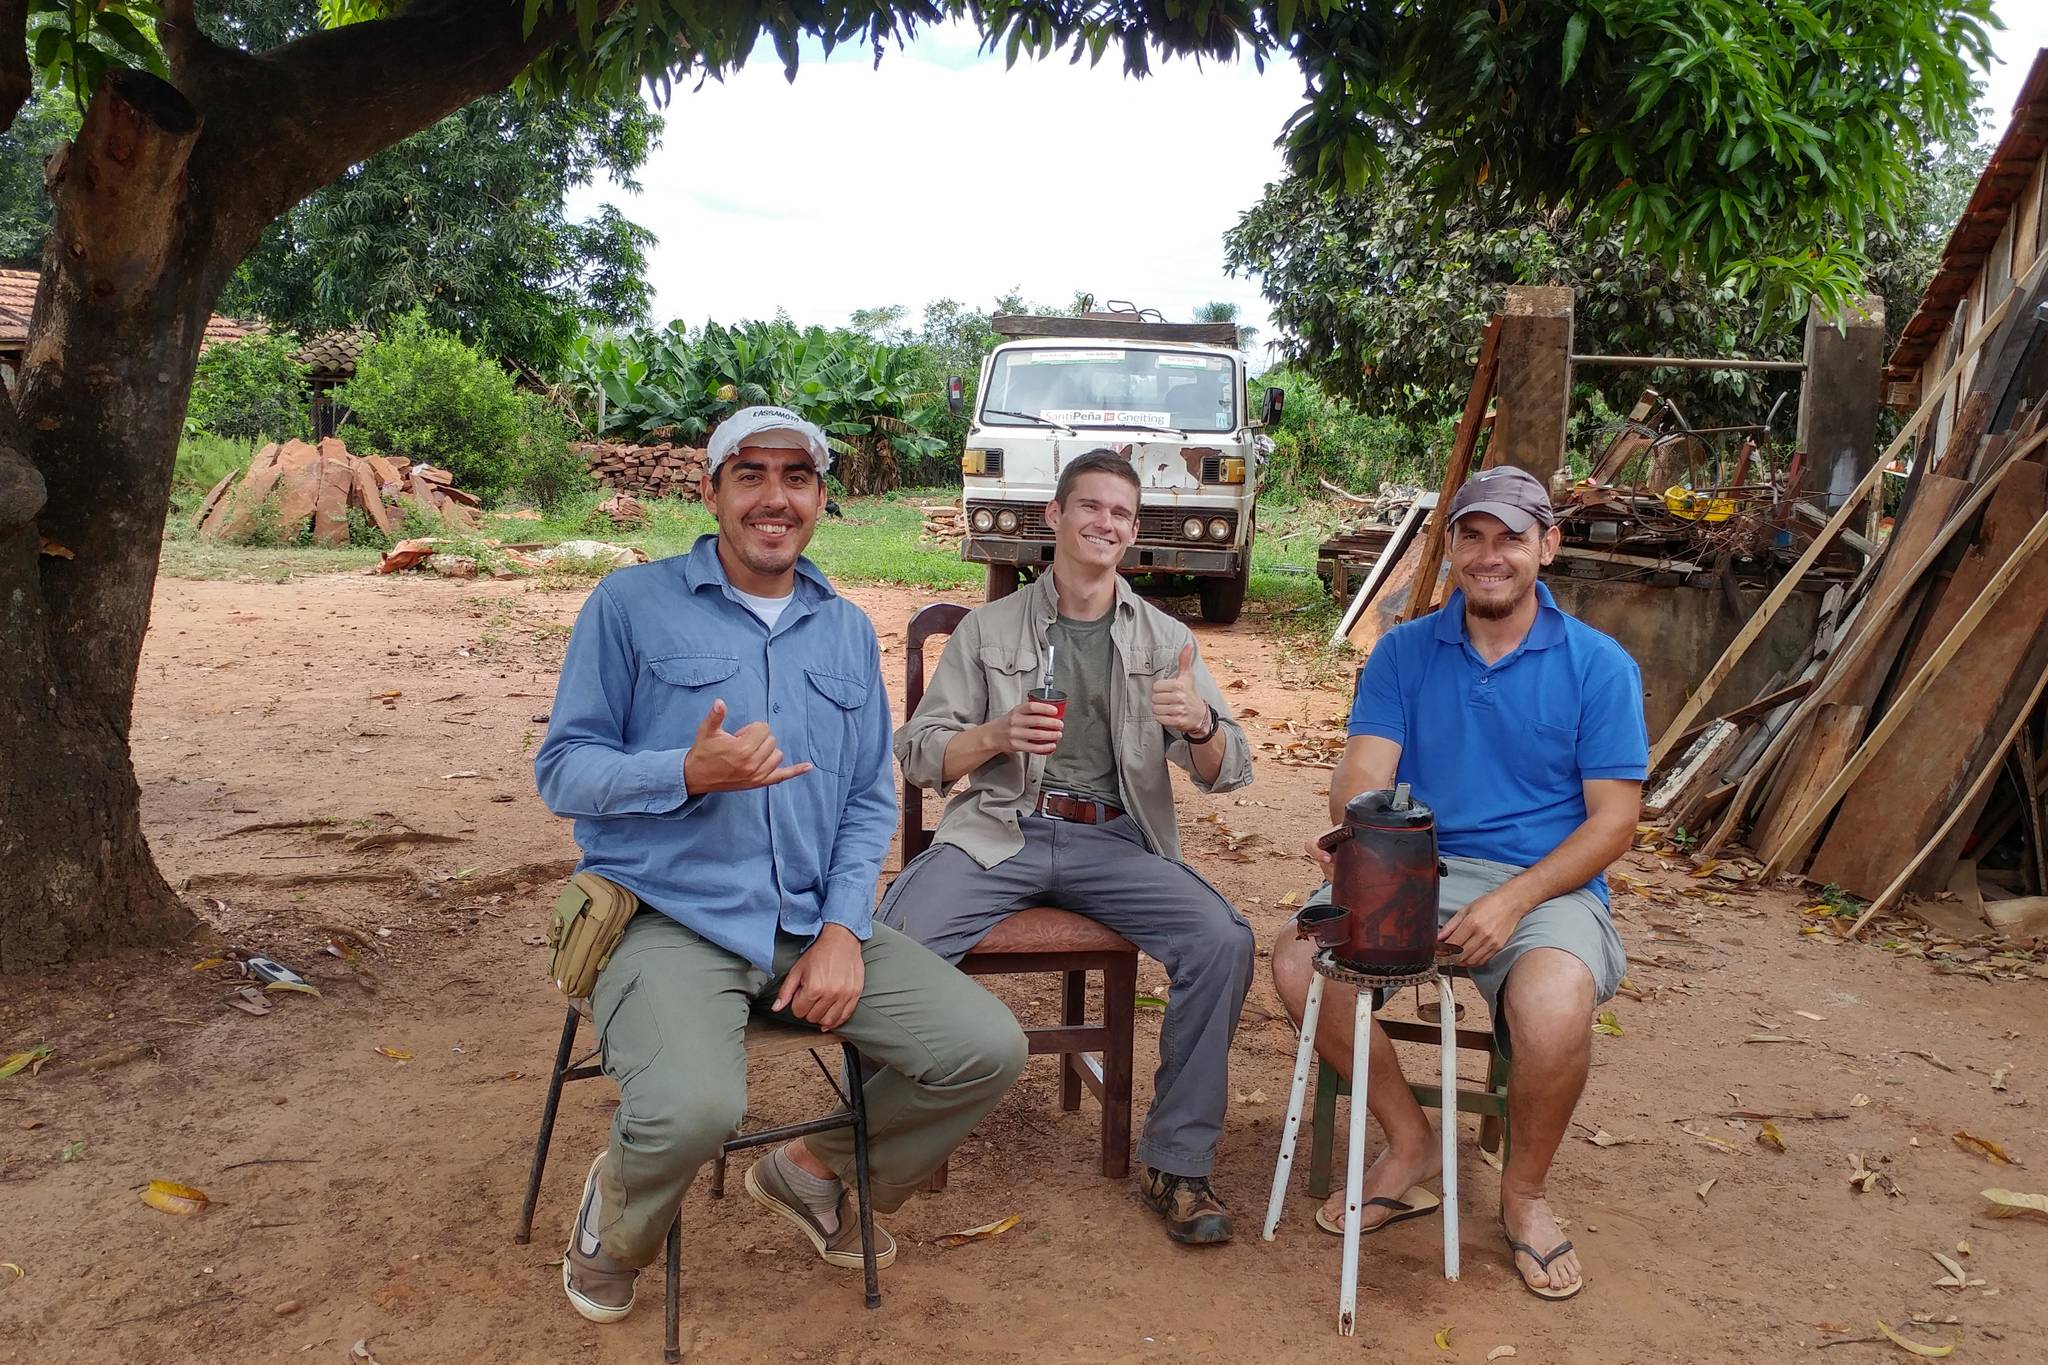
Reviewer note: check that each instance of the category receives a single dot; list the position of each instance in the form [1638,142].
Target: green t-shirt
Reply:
[1083,664]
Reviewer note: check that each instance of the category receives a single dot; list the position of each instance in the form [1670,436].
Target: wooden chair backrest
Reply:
[938,619]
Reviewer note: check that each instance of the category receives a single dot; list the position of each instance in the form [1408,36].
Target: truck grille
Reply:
[1156,525]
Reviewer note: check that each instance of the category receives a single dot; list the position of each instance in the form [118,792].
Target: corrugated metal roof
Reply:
[1977,231]
[18,300]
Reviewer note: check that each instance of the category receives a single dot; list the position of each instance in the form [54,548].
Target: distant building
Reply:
[18,300]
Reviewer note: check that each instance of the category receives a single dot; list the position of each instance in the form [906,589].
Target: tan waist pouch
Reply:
[588,920]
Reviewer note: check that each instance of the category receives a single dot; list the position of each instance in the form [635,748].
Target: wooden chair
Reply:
[1046,939]
[1489,1102]
[765,1038]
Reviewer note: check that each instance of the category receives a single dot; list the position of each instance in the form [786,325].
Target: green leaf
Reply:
[35,1056]
[1574,44]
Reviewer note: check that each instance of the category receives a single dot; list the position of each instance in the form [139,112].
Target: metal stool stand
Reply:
[854,1117]
[1328,968]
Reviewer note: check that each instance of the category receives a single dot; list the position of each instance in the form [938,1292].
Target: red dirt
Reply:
[385,1211]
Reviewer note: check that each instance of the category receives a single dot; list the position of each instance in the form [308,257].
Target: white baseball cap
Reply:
[767,425]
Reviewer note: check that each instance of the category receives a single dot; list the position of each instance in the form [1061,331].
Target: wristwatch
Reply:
[1207,733]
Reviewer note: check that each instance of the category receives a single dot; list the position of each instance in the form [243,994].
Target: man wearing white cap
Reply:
[720,735]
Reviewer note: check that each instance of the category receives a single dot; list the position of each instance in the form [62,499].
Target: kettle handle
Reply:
[1328,843]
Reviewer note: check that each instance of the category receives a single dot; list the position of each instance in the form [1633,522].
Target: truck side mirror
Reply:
[956,389]
[1269,410]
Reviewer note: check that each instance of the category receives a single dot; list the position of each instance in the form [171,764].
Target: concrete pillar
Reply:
[1838,401]
[1535,391]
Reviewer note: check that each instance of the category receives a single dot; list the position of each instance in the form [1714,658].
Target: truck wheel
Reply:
[1223,598]
[1002,581]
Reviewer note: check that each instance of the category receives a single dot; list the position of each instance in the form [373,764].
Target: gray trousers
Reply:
[948,902]
[672,1011]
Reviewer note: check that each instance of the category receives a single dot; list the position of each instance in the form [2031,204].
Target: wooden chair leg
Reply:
[935,1183]
[1120,1020]
[718,1175]
[1493,1129]
[524,1233]
[1322,1138]
[672,1305]
[1073,1011]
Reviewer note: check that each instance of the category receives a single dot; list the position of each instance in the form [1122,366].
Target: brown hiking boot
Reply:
[599,1286]
[1193,1213]
[768,1185]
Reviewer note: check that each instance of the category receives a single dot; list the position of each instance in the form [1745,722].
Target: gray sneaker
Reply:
[769,1187]
[599,1286]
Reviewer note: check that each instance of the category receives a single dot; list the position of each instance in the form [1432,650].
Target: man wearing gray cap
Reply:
[1522,729]
[720,735]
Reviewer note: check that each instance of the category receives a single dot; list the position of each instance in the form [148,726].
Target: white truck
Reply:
[1173,398]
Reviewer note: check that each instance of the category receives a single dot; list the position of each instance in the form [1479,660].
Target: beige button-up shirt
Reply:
[995,657]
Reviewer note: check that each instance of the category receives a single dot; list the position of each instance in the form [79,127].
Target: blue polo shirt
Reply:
[1499,751]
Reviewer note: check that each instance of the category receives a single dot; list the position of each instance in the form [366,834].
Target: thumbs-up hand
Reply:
[719,762]
[1175,703]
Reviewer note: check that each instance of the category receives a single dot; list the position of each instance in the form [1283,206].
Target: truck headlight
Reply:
[1233,469]
[1192,528]
[1006,522]
[983,520]
[1219,528]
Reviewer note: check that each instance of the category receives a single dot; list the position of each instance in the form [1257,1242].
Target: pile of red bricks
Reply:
[657,471]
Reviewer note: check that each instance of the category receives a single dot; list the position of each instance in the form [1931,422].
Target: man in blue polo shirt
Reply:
[1523,730]
[721,737]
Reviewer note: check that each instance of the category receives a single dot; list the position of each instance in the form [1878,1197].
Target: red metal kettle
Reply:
[1382,915]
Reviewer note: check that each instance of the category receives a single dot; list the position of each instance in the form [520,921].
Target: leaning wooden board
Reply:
[1915,780]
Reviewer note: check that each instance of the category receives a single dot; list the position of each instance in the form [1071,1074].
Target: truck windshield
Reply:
[1111,386]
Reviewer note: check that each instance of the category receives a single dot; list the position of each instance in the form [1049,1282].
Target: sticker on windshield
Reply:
[1108,417]
[1190,362]
[1066,357]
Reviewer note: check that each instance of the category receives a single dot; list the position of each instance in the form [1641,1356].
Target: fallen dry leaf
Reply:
[295,987]
[32,1059]
[1949,1264]
[1770,1038]
[1809,1014]
[205,964]
[395,1054]
[361,1351]
[1290,898]
[1500,1353]
[1608,1023]
[1859,1101]
[1702,1135]
[1603,1138]
[171,1197]
[19,1273]
[1443,1339]
[1769,1136]
[1984,1147]
[1706,869]
[1998,1077]
[966,1235]
[1930,1352]
[1702,1191]
[2014,1204]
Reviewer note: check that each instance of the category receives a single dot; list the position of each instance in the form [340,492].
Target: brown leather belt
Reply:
[1077,809]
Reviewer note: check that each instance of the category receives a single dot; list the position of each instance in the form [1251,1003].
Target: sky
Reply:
[944,175]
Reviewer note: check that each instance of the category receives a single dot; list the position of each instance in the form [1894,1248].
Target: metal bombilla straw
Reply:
[1045,684]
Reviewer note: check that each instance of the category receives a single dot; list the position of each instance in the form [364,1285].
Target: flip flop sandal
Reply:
[1417,1203]
[1543,1263]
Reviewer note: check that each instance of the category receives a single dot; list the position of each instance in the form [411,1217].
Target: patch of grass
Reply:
[1840,904]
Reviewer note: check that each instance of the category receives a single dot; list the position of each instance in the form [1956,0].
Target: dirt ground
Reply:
[362,1196]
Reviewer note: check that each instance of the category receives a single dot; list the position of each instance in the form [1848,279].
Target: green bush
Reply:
[1319,437]
[250,389]
[545,471]
[429,396]
[205,459]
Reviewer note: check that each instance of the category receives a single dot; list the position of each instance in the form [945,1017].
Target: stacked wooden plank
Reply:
[296,489]
[1903,754]
[664,470]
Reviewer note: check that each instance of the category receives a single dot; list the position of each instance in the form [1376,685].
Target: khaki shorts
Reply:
[1576,922]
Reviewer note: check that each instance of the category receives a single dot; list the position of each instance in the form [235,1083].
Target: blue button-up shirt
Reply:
[1501,751]
[654,646]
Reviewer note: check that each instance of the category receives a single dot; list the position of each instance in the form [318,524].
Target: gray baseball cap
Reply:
[767,425]
[1514,495]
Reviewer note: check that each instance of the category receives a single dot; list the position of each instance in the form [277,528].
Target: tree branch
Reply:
[301,114]
[15,81]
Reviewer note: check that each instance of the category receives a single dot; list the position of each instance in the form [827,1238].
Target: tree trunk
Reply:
[100,401]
